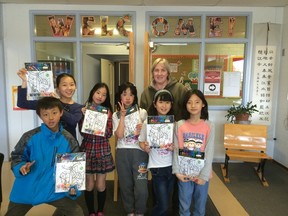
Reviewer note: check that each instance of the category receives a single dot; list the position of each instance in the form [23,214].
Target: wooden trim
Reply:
[131,58]
[147,60]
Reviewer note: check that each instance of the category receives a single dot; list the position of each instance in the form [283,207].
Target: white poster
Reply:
[232,84]
[95,121]
[70,171]
[160,131]
[264,71]
[39,80]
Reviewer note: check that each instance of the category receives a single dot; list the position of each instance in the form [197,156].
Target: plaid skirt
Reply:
[98,157]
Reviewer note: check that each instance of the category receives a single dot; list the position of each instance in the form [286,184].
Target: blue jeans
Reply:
[163,182]
[191,192]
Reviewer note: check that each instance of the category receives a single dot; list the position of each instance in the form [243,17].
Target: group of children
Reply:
[33,163]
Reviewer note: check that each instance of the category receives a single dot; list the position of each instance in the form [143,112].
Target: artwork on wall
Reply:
[88,25]
[14,98]
[60,26]
[120,25]
[160,26]
[185,27]
[214,27]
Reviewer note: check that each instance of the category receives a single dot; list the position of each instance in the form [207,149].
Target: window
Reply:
[208,52]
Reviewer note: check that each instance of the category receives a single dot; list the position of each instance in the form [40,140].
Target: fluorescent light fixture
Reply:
[172,44]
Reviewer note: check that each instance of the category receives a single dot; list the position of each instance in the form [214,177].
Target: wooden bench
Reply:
[247,143]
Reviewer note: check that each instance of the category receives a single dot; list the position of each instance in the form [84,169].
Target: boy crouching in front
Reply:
[33,164]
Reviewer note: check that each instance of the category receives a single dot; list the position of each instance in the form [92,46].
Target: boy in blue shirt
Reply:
[33,164]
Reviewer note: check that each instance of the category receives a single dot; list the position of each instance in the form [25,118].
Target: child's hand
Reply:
[145,146]
[199,181]
[83,110]
[49,94]
[183,178]
[122,109]
[22,74]
[138,129]
[73,192]
[53,94]
[170,147]
[25,169]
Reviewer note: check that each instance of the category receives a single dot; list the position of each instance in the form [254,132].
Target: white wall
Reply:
[91,74]
[281,144]
[3,106]
[17,50]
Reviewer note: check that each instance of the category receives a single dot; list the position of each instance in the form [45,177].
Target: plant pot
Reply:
[242,119]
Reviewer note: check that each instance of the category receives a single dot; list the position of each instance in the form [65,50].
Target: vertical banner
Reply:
[265,68]
[264,72]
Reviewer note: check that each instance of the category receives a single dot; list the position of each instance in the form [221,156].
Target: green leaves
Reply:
[249,109]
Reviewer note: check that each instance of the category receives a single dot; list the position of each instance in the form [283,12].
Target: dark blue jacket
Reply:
[71,115]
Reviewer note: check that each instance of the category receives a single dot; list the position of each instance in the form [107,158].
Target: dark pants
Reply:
[66,206]
[133,179]
[163,183]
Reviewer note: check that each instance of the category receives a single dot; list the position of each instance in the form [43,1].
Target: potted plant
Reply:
[241,113]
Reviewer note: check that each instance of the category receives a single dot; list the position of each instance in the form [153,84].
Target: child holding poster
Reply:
[156,139]
[65,89]
[131,160]
[99,159]
[194,141]
[33,164]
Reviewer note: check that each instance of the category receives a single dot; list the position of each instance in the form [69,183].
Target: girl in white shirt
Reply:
[131,160]
[160,157]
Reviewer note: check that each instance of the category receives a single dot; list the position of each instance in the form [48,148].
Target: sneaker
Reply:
[100,213]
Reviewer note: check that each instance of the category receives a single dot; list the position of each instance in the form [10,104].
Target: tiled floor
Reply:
[224,201]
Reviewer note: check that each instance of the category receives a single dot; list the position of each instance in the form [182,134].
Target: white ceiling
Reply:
[238,3]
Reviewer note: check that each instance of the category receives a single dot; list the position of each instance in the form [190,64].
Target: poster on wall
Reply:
[264,72]
[212,81]
[232,84]
[14,98]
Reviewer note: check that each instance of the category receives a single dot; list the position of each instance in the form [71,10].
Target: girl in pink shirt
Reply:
[193,180]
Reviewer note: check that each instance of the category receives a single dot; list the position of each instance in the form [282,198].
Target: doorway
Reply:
[107,63]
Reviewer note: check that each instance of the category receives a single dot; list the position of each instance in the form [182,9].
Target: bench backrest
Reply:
[245,137]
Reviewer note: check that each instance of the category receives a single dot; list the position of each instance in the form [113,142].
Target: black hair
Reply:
[97,86]
[59,77]
[204,110]
[48,103]
[123,87]
[161,95]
